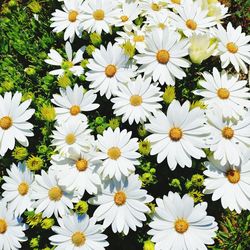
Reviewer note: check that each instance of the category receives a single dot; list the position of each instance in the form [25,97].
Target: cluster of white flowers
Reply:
[174,34]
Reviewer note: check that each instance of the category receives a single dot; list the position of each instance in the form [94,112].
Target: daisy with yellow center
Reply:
[109,69]
[119,153]
[178,218]
[122,204]
[228,140]
[228,183]
[77,171]
[17,190]
[159,60]
[51,198]
[233,47]
[14,124]
[11,229]
[83,233]
[72,134]
[137,101]
[98,16]
[68,19]
[72,102]
[224,92]
[190,18]
[175,136]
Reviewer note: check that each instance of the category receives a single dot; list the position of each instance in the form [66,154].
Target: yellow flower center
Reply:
[98,15]
[223,93]
[114,153]
[82,165]
[155,7]
[78,239]
[191,24]
[75,110]
[70,139]
[175,134]
[72,16]
[176,1]
[135,100]
[124,18]
[55,194]
[233,176]
[232,47]
[3,226]
[227,133]
[162,56]
[23,188]
[5,122]
[120,198]
[181,226]
[162,26]
[138,39]
[110,70]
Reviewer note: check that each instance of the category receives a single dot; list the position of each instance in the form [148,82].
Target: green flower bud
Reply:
[95,39]
[20,153]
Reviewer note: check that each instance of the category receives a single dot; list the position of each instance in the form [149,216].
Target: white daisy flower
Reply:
[78,232]
[160,20]
[99,15]
[11,230]
[109,68]
[174,4]
[230,141]
[191,19]
[178,224]
[50,197]
[17,191]
[122,204]
[162,57]
[225,92]
[128,13]
[72,134]
[152,7]
[137,101]
[233,47]
[229,183]
[118,151]
[136,37]
[69,19]
[179,135]
[77,172]
[13,121]
[72,102]
[70,64]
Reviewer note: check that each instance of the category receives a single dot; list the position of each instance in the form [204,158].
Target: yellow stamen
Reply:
[120,198]
[162,56]
[5,122]
[55,194]
[75,110]
[233,176]
[124,18]
[138,39]
[72,16]
[23,188]
[191,24]
[227,133]
[176,1]
[78,239]
[3,226]
[70,139]
[232,47]
[110,70]
[82,165]
[181,226]
[135,100]
[155,7]
[98,15]
[223,93]
[114,153]
[175,134]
